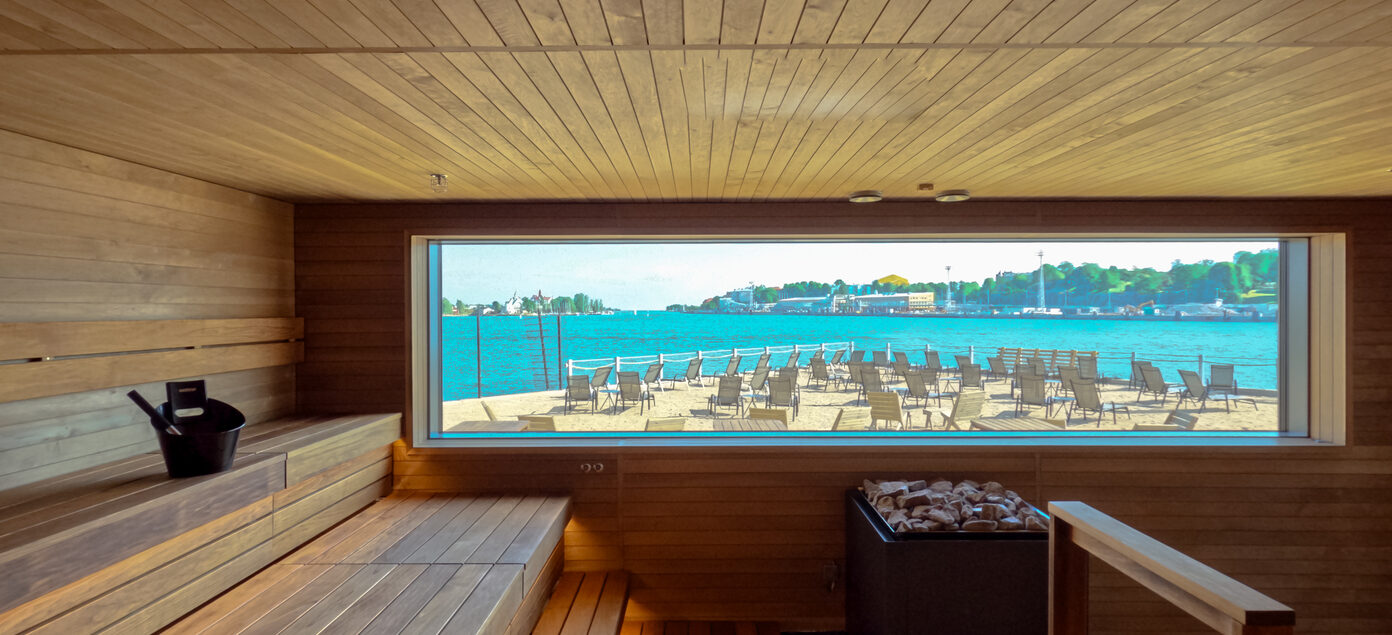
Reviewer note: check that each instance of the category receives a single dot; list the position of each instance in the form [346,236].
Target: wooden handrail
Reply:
[1224,604]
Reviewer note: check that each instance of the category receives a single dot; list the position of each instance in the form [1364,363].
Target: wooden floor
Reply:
[700,628]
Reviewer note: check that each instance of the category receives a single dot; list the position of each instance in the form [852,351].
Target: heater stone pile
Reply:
[921,506]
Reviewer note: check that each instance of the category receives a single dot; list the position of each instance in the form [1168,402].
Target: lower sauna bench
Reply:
[412,562]
[123,548]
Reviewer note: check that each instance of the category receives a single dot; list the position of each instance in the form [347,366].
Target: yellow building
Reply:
[892,279]
[921,301]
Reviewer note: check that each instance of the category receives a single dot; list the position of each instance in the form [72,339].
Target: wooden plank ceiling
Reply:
[664,100]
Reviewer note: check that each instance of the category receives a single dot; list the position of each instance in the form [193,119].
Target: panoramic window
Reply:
[764,337]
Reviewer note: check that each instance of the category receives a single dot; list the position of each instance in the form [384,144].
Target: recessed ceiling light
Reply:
[439,183]
[867,196]
[925,187]
[953,196]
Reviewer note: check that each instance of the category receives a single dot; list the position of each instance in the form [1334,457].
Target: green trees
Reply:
[446,307]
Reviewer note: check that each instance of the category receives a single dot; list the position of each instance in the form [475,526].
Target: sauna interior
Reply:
[237,191]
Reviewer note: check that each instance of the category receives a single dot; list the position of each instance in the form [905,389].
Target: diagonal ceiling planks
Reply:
[716,100]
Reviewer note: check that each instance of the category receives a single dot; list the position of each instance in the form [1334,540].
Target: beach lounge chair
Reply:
[488,411]
[763,362]
[818,354]
[962,360]
[727,394]
[600,381]
[793,359]
[900,356]
[578,391]
[790,371]
[886,407]
[731,368]
[1022,370]
[631,390]
[851,377]
[995,368]
[1067,375]
[917,387]
[851,420]
[1038,366]
[1137,377]
[931,361]
[668,424]
[1087,368]
[836,359]
[769,414]
[1176,422]
[539,423]
[1087,399]
[1222,384]
[781,392]
[1222,377]
[819,373]
[857,356]
[693,373]
[1154,384]
[1032,394]
[758,380]
[653,376]
[901,367]
[879,359]
[965,407]
[869,381]
[970,378]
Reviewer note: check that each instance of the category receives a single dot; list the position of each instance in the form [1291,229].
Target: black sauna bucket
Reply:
[208,443]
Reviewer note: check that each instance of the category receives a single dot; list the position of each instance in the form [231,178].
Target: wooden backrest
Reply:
[966,407]
[852,419]
[1186,420]
[539,423]
[667,424]
[774,414]
[885,406]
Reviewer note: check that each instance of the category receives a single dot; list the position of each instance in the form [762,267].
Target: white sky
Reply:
[654,275]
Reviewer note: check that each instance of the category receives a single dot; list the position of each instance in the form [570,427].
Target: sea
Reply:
[498,355]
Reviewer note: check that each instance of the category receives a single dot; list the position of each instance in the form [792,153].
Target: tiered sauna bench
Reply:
[124,547]
[413,562]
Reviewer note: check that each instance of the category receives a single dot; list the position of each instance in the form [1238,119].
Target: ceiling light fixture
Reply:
[953,196]
[866,196]
[438,183]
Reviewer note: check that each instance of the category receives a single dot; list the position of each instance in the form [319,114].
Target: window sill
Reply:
[897,440]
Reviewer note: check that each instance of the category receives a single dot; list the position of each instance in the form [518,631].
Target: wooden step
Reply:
[585,604]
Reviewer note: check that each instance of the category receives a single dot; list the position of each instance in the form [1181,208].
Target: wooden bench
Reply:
[124,546]
[585,604]
[414,562]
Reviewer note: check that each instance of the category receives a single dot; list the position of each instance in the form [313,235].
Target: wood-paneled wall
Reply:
[85,237]
[746,535]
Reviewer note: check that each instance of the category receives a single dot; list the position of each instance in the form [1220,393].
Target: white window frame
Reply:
[1315,416]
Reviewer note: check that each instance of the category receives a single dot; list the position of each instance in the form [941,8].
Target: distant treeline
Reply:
[578,303]
[1250,277]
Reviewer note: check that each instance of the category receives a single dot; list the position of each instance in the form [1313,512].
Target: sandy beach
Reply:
[818,409]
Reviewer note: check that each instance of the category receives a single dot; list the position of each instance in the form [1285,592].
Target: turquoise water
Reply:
[511,347]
